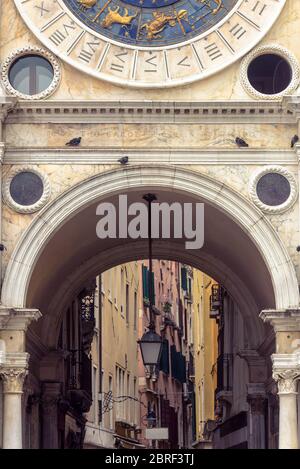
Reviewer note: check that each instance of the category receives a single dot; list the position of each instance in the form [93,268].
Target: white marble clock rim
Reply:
[157,48]
[168,82]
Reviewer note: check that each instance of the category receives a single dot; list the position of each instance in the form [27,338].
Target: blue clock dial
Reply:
[150,23]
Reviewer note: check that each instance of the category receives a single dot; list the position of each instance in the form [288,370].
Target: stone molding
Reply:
[237,207]
[26,50]
[282,320]
[26,208]
[178,156]
[278,208]
[172,112]
[270,49]
[17,319]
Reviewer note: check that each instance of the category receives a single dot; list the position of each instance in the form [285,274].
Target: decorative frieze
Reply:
[208,112]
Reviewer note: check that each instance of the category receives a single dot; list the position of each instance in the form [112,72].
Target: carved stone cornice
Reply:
[216,155]
[6,105]
[208,112]
[17,319]
[292,104]
[284,320]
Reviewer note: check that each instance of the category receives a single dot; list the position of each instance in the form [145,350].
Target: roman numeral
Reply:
[42,8]
[238,31]
[151,63]
[260,7]
[119,67]
[58,36]
[183,62]
[213,51]
[88,52]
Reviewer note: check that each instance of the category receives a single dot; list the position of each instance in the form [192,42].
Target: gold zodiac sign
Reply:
[218,7]
[86,4]
[160,21]
[113,16]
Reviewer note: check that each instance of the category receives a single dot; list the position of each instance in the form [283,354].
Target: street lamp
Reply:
[150,343]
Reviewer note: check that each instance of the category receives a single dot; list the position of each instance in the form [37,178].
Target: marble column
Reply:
[286,371]
[13,374]
[287,381]
[14,323]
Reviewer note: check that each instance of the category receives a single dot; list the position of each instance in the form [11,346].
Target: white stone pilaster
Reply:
[13,374]
[286,372]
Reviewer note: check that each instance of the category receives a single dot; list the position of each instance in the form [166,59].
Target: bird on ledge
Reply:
[75,142]
[124,160]
[241,143]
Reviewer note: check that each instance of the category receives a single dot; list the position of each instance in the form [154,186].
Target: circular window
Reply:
[31,73]
[26,190]
[273,189]
[270,72]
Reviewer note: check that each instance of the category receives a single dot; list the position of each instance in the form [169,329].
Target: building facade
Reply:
[203,100]
[113,418]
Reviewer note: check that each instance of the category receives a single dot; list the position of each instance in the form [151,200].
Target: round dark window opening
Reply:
[26,188]
[273,189]
[31,74]
[270,74]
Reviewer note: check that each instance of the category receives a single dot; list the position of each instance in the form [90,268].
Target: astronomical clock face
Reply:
[150,43]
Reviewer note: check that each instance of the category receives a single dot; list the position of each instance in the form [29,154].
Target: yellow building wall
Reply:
[119,343]
[205,351]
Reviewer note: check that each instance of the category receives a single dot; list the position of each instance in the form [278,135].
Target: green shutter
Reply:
[183,279]
[145,283]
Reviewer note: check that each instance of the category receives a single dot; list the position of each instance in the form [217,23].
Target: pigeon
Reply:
[241,143]
[75,142]
[124,160]
[294,140]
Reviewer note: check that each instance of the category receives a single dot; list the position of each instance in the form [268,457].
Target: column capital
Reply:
[14,372]
[17,319]
[282,320]
[286,372]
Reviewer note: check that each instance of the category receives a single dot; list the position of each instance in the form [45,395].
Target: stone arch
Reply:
[253,226]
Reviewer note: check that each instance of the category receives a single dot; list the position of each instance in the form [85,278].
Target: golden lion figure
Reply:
[86,4]
[160,21]
[218,7]
[114,17]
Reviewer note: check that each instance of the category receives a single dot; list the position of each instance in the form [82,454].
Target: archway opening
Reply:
[60,254]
